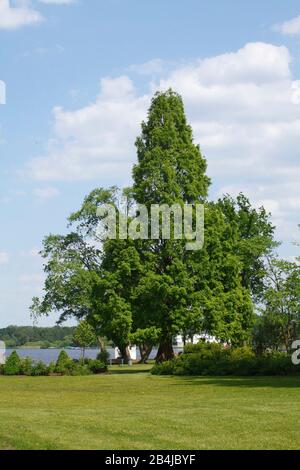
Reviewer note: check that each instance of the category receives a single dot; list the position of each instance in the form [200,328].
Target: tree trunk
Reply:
[145,351]
[165,350]
[101,343]
[82,355]
[125,354]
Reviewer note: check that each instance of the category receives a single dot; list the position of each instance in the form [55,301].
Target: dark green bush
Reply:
[166,368]
[77,369]
[64,364]
[97,367]
[12,365]
[26,366]
[204,348]
[39,369]
[103,356]
[216,360]
[51,368]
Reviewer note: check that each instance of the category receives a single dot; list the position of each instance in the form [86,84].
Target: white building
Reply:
[2,352]
[195,340]
[132,351]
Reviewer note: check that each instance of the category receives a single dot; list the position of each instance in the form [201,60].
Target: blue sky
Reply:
[79,76]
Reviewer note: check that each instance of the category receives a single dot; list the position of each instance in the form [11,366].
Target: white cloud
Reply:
[244,110]
[94,140]
[291,27]
[15,17]
[46,193]
[255,63]
[4,257]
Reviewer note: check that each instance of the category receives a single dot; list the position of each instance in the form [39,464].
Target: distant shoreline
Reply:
[17,348]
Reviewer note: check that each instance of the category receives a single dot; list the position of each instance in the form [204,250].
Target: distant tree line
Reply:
[57,336]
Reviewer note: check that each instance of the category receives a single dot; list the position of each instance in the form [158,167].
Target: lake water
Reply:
[51,355]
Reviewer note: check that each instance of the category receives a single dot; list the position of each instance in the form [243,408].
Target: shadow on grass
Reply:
[243,382]
[129,370]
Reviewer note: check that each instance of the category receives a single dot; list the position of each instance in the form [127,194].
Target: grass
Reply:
[130,409]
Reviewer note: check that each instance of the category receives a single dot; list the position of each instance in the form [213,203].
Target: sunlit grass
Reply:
[130,409]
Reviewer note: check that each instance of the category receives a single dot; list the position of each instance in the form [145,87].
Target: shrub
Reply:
[26,366]
[12,365]
[85,361]
[166,368]
[203,348]
[51,368]
[97,367]
[39,369]
[209,359]
[103,356]
[64,364]
[80,369]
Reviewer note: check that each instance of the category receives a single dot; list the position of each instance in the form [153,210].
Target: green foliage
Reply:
[79,276]
[103,356]
[147,335]
[145,339]
[267,333]
[70,276]
[127,287]
[215,360]
[12,365]
[63,364]
[51,368]
[79,369]
[114,313]
[17,336]
[170,169]
[27,366]
[66,366]
[84,336]
[39,369]
[281,309]
[255,239]
[170,166]
[97,367]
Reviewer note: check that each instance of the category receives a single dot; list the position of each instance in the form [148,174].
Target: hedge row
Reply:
[63,366]
[216,360]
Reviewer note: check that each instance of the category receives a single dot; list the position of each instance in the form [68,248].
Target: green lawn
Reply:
[130,409]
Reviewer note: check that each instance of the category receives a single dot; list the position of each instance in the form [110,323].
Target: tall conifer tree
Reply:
[170,165]
[170,170]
